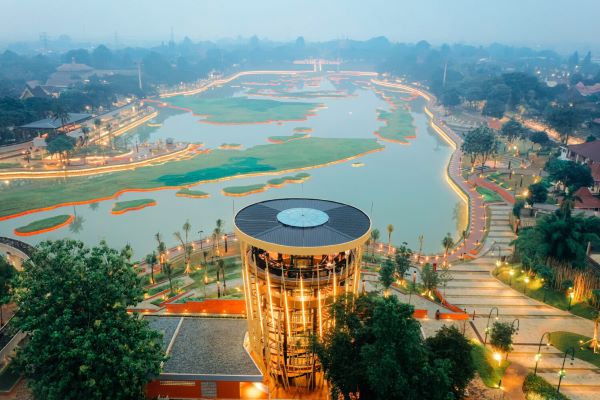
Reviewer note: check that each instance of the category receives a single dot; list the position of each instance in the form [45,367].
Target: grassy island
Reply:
[244,190]
[242,110]
[398,125]
[298,178]
[303,129]
[196,194]
[47,194]
[238,191]
[122,207]
[288,138]
[44,225]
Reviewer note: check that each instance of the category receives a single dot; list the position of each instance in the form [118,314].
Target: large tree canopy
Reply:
[83,344]
[569,173]
[480,143]
[375,350]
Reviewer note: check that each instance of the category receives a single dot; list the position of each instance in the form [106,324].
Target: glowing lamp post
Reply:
[525,285]
[487,327]
[562,372]
[538,355]
[511,273]
[571,296]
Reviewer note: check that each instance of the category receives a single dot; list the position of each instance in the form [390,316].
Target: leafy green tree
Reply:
[501,336]
[82,342]
[387,275]
[375,351]
[569,174]
[590,138]
[480,143]
[430,278]
[402,259]
[7,274]
[512,130]
[538,193]
[540,137]
[449,344]
[61,145]
[565,120]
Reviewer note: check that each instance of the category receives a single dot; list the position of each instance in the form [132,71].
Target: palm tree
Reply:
[221,268]
[448,243]
[127,252]
[151,261]
[374,239]
[217,233]
[390,229]
[187,249]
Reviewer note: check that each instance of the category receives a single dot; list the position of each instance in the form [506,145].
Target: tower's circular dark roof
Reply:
[302,222]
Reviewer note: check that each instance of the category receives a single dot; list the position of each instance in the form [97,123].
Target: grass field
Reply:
[549,296]
[563,340]
[218,164]
[398,125]
[43,224]
[122,206]
[486,366]
[489,196]
[239,110]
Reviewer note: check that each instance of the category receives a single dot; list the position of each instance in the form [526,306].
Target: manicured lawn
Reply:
[564,340]
[536,387]
[123,206]
[239,110]
[215,165]
[536,291]
[43,224]
[489,196]
[486,366]
[398,124]
[186,192]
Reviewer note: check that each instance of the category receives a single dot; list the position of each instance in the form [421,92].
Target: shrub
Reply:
[536,388]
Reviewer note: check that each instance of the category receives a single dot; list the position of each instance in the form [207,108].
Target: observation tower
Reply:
[297,256]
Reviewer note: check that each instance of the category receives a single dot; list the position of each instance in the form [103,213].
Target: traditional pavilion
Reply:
[297,256]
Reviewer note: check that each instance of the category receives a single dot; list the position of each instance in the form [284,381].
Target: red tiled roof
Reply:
[589,150]
[596,171]
[588,201]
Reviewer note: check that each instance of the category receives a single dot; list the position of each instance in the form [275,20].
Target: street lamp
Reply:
[525,285]
[414,282]
[487,327]
[538,355]
[511,273]
[562,373]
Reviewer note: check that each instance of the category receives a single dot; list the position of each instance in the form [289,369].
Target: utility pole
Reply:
[444,78]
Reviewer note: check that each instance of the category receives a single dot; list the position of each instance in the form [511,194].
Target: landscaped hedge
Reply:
[536,388]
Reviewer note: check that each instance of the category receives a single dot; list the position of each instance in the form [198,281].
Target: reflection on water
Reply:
[403,185]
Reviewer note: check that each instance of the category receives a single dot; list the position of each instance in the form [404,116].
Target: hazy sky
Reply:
[532,22]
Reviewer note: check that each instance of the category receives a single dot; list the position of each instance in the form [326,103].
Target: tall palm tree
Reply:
[221,268]
[374,238]
[448,243]
[151,261]
[390,229]
[217,233]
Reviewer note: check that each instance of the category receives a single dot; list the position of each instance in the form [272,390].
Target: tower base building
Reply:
[298,255]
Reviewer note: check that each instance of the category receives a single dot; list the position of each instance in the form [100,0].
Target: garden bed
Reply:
[196,194]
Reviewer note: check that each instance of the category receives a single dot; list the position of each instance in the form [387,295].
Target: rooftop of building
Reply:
[589,150]
[299,222]
[51,123]
[205,348]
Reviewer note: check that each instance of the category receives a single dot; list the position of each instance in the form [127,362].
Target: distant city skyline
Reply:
[559,24]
